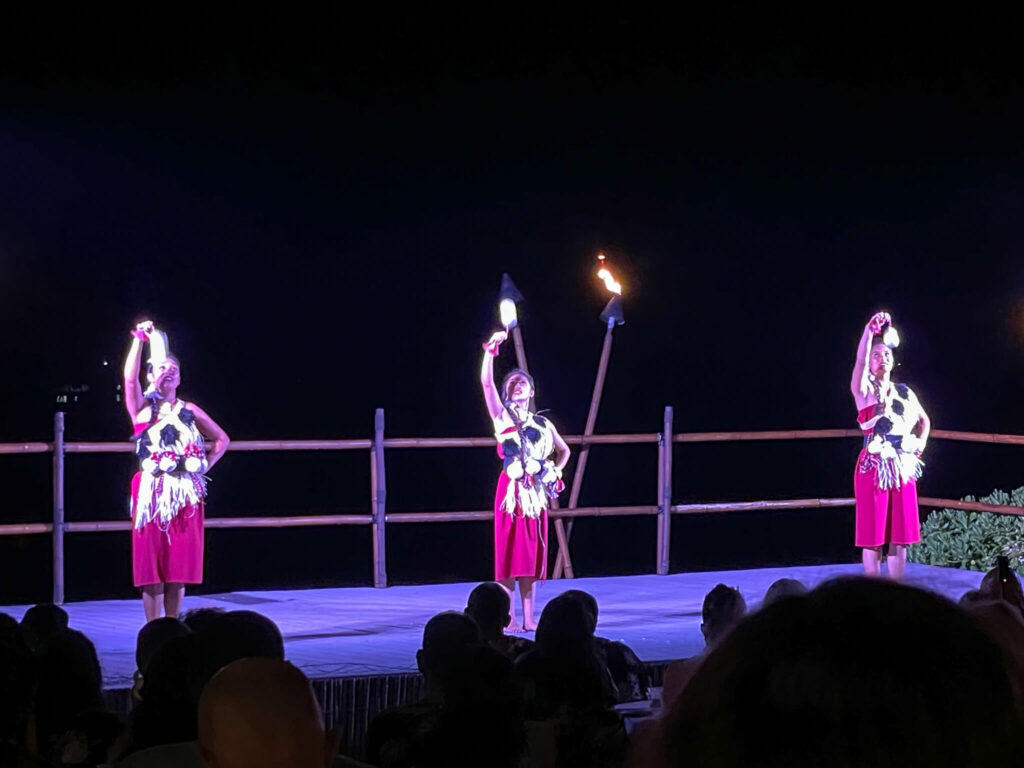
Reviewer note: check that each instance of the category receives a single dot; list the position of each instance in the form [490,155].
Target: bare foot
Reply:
[515,628]
[529,626]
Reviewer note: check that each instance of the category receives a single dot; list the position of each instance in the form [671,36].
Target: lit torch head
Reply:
[605,274]
[507,310]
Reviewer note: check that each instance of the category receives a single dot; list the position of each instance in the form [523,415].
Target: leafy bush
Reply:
[972,540]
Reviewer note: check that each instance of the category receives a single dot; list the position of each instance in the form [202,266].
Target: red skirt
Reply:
[884,517]
[520,543]
[168,555]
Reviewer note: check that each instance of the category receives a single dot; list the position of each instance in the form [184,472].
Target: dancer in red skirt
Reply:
[895,430]
[168,491]
[529,479]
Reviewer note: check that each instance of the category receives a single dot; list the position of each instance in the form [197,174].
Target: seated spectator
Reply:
[229,637]
[565,685]
[150,639]
[164,712]
[261,713]
[165,721]
[480,719]
[490,606]
[722,610]
[628,674]
[69,683]
[17,683]
[781,588]
[1008,590]
[391,737]
[859,672]
[41,622]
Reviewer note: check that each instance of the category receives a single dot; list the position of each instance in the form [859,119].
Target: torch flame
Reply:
[610,282]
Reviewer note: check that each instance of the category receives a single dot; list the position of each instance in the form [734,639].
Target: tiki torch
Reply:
[611,316]
[508,297]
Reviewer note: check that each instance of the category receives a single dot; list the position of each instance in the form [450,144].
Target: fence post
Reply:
[378,499]
[58,508]
[665,494]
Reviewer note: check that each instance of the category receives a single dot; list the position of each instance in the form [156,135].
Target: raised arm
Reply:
[494,405]
[859,380]
[133,400]
[212,430]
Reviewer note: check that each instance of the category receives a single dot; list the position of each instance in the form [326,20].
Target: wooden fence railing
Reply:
[378,516]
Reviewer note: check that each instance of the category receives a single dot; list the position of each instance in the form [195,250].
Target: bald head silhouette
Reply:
[261,713]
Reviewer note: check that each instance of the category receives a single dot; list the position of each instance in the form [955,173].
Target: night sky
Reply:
[319,213]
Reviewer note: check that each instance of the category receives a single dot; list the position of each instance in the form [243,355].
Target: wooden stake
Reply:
[563,564]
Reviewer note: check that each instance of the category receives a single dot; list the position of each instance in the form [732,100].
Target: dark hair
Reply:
[489,605]
[43,621]
[587,601]
[232,636]
[165,713]
[153,635]
[723,608]
[445,639]
[781,588]
[564,628]
[198,619]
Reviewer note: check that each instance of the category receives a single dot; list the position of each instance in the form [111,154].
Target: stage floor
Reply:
[349,632]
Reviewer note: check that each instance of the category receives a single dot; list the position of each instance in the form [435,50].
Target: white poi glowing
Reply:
[507,310]
[890,337]
[605,274]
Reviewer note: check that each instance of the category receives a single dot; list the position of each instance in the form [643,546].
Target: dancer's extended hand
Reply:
[879,321]
[492,344]
[142,330]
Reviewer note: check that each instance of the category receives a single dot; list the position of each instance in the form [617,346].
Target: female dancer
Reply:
[895,430]
[527,481]
[168,492]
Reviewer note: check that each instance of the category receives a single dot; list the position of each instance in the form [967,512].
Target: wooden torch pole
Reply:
[562,563]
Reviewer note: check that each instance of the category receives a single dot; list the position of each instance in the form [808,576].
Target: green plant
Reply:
[972,540]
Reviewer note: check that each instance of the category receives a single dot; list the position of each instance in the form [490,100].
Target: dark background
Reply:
[318,211]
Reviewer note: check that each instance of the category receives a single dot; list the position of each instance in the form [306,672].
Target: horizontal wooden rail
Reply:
[486,514]
[297,521]
[488,442]
[21,529]
[236,445]
[977,437]
[25,447]
[972,506]
[771,434]
[439,517]
[643,509]
[743,506]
